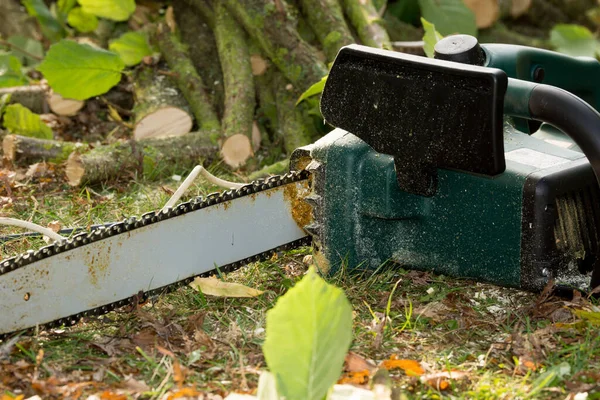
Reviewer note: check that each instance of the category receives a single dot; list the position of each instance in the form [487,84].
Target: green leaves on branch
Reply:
[51,28]
[308,334]
[449,16]
[430,38]
[80,71]
[116,10]
[81,20]
[574,40]
[21,121]
[132,47]
[10,71]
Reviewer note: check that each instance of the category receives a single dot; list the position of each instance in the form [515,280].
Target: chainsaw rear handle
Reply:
[559,108]
[578,75]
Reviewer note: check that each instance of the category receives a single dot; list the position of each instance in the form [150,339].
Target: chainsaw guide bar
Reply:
[226,199]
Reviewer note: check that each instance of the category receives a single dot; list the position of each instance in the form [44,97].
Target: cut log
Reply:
[196,32]
[486,12]
[240,101]
[326,19]
[271,28]
[149,159]
[188,81]
[61,106]
[33,97]
[160,110]
[365,18]
[22,150]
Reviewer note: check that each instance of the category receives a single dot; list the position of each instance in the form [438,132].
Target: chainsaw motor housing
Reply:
[516,209]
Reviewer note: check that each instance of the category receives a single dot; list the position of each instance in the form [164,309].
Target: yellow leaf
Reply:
[591,316]
[410,367]
[216,287]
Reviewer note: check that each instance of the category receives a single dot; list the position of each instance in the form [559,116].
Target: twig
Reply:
[20,50]
[32,227]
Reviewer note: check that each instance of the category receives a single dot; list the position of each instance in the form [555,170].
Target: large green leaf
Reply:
[80,71]
[574,40]
[308,333]
[132,47]
[430,38]
[449,16]
[116,10]
[21,121]
[49,25]
[10,71]
[30,48]
[81,20]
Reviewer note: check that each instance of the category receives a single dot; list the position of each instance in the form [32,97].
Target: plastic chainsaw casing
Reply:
[534,218]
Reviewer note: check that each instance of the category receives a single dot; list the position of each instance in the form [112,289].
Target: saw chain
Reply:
[155,217]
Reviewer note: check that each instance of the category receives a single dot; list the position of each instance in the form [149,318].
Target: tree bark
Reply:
[33,97]
[160,110]
[197,33]
[188,81]
[15,21]
[22,150]
[327,21]
[364,17]
[240,101]
[149,159]
[268,24]
[292,125]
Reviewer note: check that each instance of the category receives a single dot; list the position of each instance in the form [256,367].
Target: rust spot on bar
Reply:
[300,209]
[97,261]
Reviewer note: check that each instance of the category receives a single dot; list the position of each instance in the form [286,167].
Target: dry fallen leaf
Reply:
[355,378]
[216,287]
[190,393]
[410,367]
[357,363]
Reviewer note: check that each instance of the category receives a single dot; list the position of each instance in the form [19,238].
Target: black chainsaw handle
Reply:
[561,109]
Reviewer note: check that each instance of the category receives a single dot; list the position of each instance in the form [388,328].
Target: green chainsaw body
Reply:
[534,221]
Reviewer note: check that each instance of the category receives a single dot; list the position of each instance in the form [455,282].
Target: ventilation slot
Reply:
[576,228]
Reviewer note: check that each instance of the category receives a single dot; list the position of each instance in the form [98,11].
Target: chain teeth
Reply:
[149,218]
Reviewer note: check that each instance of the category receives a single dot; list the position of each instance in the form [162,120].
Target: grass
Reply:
[509,344]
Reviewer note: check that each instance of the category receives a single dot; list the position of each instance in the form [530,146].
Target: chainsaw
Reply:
[480,163]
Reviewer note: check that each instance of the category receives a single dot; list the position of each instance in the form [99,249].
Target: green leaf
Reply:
[80,71]
[21,121]
[405,10]
[574,40]
[548,378]
[10,71]
[308,333]
[267,387]
[116,10]
[81,20]
[4,100]
[449,16]
[49,25]
[430,38]
[132,47]
[65,6]
[28,45]
[316,88]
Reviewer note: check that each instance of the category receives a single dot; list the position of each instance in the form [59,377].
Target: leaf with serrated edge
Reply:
[216,287]
[449,16]
[10,71]
[21,121]
[430,38]
[80,71]
[574,40]
[132,47]
[308,334]
[81,20]
[116,10]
